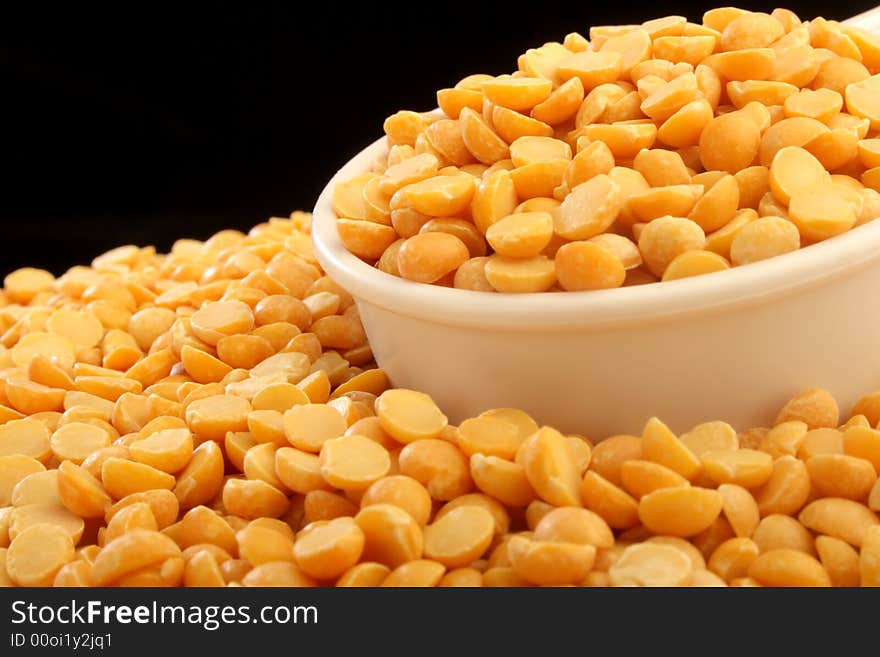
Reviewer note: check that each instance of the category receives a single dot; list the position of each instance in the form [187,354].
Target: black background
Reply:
[142,123]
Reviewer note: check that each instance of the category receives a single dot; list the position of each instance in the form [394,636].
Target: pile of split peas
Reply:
[648,152]
[213,417]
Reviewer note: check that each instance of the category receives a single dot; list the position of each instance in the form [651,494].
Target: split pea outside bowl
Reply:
[733,345]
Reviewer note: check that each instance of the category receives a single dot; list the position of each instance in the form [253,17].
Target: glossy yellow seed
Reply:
[407,415]
[820,441]
[660,445]
[309,426]
[710,435]
[490,436]
[617,507]
[814,406]
[163,505]
[698,562]
[502,479]
[624,139]
[531,560]
[667,237]
[751,30]
[203,368]
[744,467]
[211,417]
[840,475]
[645,564]
[667,98]
[787,489]
[794,170]
[392,537]
[740,509]
[80,492]
[13,469]
[764,238]
[440,196]
[786,567]
[353,462]
[427,257]
[517,93]
[822,211]
[520,275]
[258,462]
[57,348]
[402,491]
[862,100]
[367,573]
[54,514]
[732,559]
[81,328]
[592,68]
[863,443]
[694,263]
[76,441]
[168,450]
[327,551]
[561,104]
[216,320]
[550,467]
[134,516]
[277,573]
[869,558]
[840,518]
[784,439]
[840,560]
[439,466]
[729,143]
[24,284]
[640,478]
[494,198]
[590,208]
[460,536]
[37,554]
[133,551]
[37,488]
[765,92]
[419,572]
[588,266]
[683,128]
[479,138]
[122,478]
[521,235]
[462,577]
[298,470]
[279,397]
[680,511]
[253,499]
[745,64]
[574,525]
[201,480]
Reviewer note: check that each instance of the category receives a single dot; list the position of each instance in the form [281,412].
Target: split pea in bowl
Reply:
[732,345]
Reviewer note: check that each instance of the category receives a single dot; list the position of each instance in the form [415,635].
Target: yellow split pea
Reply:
[662,133]
[228,426]
[372,486]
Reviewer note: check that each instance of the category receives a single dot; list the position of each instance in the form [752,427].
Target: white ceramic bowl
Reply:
[733,345]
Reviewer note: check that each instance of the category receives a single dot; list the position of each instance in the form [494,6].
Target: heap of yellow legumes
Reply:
[650,152]
[213,417]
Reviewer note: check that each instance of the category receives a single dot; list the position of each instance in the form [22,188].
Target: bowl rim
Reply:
[737,287]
